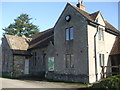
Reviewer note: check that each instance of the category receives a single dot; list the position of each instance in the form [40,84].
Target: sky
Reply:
[45,14]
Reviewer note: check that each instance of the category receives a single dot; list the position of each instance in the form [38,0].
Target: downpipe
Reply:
[96,71]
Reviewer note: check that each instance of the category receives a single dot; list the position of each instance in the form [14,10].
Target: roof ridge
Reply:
[92,17]
[15,36]
[84,13]
[95,12]
[78,8]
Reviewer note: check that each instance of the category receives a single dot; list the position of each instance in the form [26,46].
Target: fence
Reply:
[114,70]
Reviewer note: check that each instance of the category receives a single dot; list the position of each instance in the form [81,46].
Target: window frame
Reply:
[69,62]
[102,59]
[71,35]
[68,35]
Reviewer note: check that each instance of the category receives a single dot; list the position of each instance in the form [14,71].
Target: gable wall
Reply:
[100,19]
[7,58]
[77,47]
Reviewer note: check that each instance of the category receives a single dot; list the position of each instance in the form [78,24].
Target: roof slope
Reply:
[17,43]
[42,39]
[109,26]
[93,16]
[22,43]
[116,47]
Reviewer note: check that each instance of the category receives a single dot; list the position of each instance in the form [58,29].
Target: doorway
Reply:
[26,69]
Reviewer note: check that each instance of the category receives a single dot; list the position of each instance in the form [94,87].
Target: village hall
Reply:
[76,49]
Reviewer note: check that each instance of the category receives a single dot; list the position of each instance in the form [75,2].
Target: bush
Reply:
[109,83]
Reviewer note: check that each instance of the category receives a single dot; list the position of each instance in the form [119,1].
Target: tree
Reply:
[22,27]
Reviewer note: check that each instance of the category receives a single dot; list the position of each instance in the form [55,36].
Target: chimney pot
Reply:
[80,5]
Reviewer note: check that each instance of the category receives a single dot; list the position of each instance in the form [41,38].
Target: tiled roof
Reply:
[116,47]
[109,26]
[84,13]
[17,43]
[93,16]
[42,39]
[22,43]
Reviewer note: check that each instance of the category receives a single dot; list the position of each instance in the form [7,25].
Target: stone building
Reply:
[14,52]
[82,45]
[75,49]
[25,56]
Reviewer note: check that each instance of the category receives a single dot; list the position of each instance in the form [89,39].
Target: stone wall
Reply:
[7,58]
[67,77]
[18,66]
[77,47]
[37,67]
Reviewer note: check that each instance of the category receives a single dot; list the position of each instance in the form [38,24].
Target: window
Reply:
[72,62]
[51,64]
[69,61]
[101,34]
[69,33]
[101,58]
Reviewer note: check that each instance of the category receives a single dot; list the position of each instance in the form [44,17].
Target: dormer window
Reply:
[69,33]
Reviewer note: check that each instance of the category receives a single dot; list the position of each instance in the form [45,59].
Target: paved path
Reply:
[13,83]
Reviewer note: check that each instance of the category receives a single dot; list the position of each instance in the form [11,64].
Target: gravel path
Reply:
[12,83]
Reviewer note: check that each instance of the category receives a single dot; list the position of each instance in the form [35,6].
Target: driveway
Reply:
[14,83]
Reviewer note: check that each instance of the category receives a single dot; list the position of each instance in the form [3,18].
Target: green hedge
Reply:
[109,83]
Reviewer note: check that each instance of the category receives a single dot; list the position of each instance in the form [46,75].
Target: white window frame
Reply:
[102,59]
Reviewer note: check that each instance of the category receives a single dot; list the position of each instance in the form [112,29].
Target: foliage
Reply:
[22,27]
[109,83]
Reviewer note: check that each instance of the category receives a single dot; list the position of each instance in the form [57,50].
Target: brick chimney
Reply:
[81,5]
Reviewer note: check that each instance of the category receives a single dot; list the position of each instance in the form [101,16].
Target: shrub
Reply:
[109,83]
